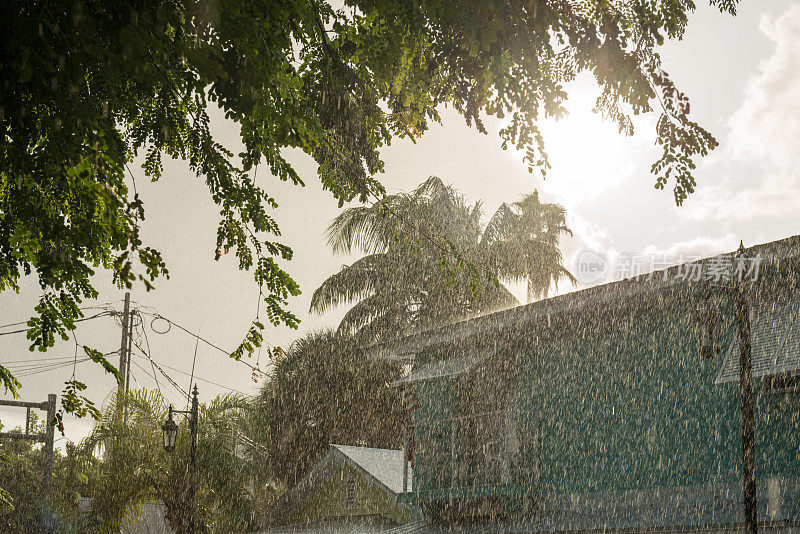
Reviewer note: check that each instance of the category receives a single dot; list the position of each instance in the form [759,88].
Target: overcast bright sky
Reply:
[742,75]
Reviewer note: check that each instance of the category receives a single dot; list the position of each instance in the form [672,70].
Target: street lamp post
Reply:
[170,430]
[708,328]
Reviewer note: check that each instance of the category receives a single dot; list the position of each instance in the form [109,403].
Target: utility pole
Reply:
[193,462]
[708,328]
[123,351]
[746,395]
[48,451]
[128,354]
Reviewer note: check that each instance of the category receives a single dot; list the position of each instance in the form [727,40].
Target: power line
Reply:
[53,367]
[103,306]
[40,363]
[157,315]
[191,377]
[30,367]
[169,378]
[36,360]
[147,342]
[202,379]
[153,375]
[102,314]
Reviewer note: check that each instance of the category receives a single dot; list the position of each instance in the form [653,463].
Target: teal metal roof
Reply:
[405,347]
[775,340]
[369,524]
[446,368]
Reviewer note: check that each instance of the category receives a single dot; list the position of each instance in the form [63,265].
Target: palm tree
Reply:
[134,459]
[521,240]
[135,466]
[430,260]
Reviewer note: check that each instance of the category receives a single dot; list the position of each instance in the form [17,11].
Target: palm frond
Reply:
[353,282]
[390,306]
[410,258]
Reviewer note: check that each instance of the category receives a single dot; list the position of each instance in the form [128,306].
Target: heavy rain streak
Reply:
[358,267]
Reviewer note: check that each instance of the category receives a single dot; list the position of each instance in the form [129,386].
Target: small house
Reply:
[351,489]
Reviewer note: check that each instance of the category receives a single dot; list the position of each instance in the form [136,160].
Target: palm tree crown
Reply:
[429,259]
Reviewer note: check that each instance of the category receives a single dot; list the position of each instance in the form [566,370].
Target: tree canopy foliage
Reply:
[75,474]
[431,259]
[322,391]
[88,86]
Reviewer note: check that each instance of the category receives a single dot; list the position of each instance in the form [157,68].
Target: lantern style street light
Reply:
[708,328]
[170,429]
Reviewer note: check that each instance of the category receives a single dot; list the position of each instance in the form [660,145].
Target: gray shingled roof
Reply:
[385,465]
[775,340]
[446,368]
[148,517]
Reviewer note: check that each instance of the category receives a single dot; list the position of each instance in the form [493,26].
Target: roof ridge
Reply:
[338,445]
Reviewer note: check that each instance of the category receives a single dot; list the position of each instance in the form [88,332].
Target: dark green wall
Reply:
[621,399]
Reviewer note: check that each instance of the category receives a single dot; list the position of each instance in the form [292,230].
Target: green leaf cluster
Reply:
[325,390]
[88,86]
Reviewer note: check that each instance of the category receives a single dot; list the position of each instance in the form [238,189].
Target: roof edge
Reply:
[406,346]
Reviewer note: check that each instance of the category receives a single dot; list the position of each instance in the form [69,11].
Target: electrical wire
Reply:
[164,373]
[208,381]
[167,395]
[26,368]
[159,365]
[103,314]
[147,342]
[131,375]
[40,363]
[191,377]
[36,360]
[142,369]
[157,315]
[103,306]
[54,367]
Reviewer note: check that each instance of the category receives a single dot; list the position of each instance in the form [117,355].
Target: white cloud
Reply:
[766,127]
[760,155]
[703,246]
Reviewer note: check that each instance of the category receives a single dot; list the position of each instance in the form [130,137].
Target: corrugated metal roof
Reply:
[405,347]
[386,465]
[775,340]
[446,368]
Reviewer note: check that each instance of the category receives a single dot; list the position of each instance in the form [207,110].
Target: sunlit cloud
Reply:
[760,155]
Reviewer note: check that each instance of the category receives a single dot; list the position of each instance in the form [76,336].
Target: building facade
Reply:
[594,411]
